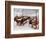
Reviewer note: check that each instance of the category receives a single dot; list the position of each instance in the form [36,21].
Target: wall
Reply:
[2,20]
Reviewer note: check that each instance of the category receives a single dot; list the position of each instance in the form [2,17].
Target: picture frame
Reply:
[25,7]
